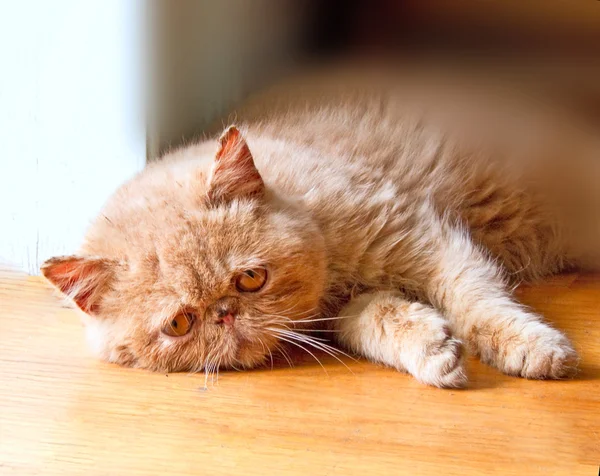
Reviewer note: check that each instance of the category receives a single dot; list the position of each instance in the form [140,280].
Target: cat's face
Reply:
[180,273]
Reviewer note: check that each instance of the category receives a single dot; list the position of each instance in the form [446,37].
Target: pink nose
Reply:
[227,319]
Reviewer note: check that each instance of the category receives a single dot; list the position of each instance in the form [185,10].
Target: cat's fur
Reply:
[365,208]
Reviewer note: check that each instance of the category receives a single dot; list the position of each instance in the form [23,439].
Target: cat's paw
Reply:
[441,362]
[537,352]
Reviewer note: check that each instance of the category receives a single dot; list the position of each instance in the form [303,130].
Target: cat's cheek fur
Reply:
[102,342]
[95,337]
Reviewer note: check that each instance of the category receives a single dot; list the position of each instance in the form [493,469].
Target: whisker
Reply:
[288,330]
[304,337]
[218,366]
[278,323]
[212,371]
[206,373]
[328,352]
[234,367]
[320,339]
[314,340]
[308,340]
[314,312]
[271,356]
[332,351]
[324,319]
[305,350]
[290,319]
[306,314]
[286,356]
[265,350]
[289,309]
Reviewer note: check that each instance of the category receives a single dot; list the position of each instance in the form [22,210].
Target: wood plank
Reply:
[63,412]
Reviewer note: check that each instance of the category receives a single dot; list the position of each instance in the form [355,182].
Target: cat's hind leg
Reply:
[409,336]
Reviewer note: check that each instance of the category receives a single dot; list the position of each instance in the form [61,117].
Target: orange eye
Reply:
[251,280]
[180,325]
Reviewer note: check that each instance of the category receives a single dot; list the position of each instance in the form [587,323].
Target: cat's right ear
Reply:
[83,279]
[233,174]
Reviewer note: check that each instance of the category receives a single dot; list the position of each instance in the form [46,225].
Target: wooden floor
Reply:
[62,412]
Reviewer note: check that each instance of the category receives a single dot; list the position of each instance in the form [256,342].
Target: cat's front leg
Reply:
[469,290]
[409,336]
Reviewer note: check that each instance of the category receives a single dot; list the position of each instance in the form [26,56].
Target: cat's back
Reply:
[494,156]
[378,126]
[437,134]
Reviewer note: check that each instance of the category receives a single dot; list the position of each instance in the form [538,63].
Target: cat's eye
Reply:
[251,280]
[180,325]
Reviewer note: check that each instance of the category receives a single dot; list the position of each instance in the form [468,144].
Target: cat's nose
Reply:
[225,316]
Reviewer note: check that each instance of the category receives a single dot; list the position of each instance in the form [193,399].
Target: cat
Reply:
[361,216]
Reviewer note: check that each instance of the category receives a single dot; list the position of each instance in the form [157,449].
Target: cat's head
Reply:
[191,263]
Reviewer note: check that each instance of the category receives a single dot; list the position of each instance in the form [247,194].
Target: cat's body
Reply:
[361,208]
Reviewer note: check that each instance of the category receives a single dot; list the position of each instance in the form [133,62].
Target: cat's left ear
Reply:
[234,174]
[84,279]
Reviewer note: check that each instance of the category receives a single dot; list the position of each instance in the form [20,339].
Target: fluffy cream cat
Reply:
[406,223]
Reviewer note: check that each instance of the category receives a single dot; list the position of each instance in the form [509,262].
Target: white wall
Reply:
[71,122]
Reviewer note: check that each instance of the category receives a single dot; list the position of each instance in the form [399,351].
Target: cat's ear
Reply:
[83,279]
[234,174]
